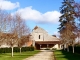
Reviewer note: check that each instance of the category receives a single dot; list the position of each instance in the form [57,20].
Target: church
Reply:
[41,39]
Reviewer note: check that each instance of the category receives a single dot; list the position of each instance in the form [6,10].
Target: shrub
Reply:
[16,49]
[5,50]
[76,49]
[54,49]
[47,49]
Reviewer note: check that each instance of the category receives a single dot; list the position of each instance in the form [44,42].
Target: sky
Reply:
[42,13]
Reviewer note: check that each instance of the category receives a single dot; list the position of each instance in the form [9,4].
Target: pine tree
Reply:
[77,15]
[67,23]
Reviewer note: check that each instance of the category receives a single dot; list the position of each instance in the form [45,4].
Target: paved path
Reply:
[43,55]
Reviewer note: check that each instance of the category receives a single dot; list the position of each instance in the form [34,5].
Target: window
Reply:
[39,36]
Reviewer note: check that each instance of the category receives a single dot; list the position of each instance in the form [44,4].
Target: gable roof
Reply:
[44,33]
[35,27]
[39,29]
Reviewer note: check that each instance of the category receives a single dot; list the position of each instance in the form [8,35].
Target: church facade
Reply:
[41,39]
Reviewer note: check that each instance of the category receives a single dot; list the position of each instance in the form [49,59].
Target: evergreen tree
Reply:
[67,23]
[77,15]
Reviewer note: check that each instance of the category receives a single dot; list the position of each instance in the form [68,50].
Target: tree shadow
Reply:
[68,55]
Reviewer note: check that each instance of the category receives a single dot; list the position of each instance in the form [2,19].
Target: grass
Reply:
[63,55]
[17,56]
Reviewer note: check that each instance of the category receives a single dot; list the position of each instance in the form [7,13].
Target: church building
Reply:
[41,39]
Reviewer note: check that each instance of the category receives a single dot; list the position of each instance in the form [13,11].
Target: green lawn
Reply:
[63,55]
[17,56]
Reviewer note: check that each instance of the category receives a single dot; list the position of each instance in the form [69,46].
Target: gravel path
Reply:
[43,55]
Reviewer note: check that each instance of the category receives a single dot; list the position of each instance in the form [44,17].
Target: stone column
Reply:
[47,45]
[40,46]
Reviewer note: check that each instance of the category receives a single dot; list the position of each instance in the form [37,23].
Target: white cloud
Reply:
[31,14]
[8,5]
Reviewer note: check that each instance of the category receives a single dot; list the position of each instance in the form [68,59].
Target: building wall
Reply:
[57,46]
[39,34]
[44,36]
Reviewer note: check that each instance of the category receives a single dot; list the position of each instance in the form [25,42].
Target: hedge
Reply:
[16,49]
[76,49]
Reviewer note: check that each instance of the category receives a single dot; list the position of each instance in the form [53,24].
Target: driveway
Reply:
[43,55]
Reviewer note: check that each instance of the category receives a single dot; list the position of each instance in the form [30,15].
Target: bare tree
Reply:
[12,41]
[22,41]
[12,37]
[13,30]
[3,25]
[1,19]
[22,31]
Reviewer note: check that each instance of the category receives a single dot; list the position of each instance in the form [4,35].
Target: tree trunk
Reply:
[73,48]
[64,47]
[12,52]
[67,49]
[20,50]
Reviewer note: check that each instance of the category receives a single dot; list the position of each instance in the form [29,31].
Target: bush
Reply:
[76,49]
[27,49]
[47,49]
[5,50]
[16,49]
[54,49]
